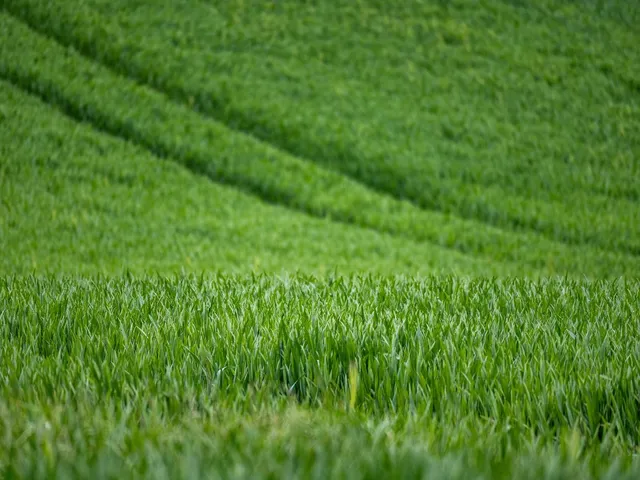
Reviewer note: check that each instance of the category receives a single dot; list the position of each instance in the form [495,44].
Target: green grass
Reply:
[503,113]
[100,97]
[337,239]
[74,200]
[251,376]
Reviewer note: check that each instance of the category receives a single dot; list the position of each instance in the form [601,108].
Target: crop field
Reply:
[320,239]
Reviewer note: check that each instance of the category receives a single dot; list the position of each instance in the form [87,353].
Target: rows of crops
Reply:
[534,128]
[320,239]
[148,118]
[77,201]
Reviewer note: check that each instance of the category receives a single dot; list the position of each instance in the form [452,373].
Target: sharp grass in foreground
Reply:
[246,377]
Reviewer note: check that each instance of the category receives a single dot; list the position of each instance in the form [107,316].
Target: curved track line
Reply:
[239,121]
[72,112]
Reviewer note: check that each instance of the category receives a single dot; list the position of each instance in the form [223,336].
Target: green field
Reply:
[361,377]
[318,239]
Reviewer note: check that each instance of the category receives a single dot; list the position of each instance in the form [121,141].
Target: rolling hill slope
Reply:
[320,239]
[120,97]
[78,201]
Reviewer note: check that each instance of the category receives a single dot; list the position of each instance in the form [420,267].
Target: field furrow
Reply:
[410,146]
[149,119]
[73,200]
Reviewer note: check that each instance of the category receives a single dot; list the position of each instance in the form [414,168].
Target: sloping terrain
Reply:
[319,239]
[78,201]
[332,119]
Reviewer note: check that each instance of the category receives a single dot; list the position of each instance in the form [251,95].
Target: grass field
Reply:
[273,239]
[354,378]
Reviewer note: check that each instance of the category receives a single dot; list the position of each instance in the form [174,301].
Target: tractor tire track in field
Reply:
[220,110]
[121,130]
[197,161]
[200,162]
[100,123]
